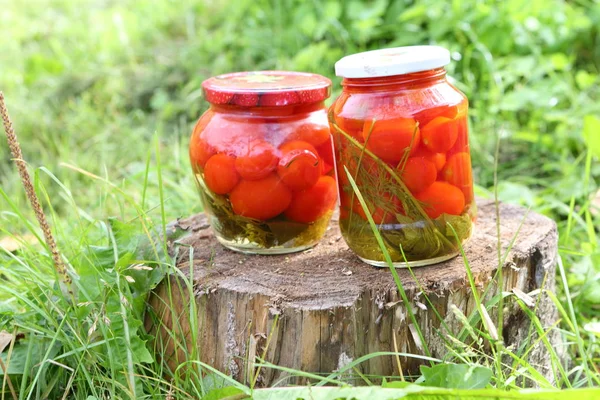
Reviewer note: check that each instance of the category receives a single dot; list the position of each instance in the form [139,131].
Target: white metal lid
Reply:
[393,61]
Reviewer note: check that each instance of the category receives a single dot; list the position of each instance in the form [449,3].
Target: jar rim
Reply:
[266,88]
[392,61]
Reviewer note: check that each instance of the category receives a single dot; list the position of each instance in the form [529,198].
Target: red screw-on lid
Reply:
[266,88]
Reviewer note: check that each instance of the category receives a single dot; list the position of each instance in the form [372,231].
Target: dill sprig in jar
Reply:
[401,134]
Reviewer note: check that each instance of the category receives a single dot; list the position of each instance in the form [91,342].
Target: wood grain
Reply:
[322,308]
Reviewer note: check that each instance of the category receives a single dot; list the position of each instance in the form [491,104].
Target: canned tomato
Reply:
[400,133]
[262,156]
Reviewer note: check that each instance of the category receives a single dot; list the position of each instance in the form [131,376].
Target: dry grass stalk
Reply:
[17,155]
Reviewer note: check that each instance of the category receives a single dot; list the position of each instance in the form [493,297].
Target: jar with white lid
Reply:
[400,133]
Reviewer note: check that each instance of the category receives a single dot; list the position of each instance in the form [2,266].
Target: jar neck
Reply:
[265,112]
[395,82]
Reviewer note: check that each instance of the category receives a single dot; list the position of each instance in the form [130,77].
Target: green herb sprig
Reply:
[414,232]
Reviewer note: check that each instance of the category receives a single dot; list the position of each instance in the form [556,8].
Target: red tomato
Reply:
[468,192]
[425,116]
[344,213]
[381,215]
[203,121]
[258,161]
[457,170]
[462,141]
[219,173]
[345,201]
[418,174]
[261,199]
[440,134]
[367,164]
[391,139]
[315,134]
[200,152]
[352,127]
[442,198]
[439,159]
[311,204]
[299,167]
[327,160]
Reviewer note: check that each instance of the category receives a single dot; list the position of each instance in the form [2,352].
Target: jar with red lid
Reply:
[400,133]
[262,157]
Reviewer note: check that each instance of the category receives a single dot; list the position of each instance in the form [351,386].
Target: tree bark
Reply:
[319,310]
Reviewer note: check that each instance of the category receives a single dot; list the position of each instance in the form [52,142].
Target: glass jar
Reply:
[262,156]
[400,133]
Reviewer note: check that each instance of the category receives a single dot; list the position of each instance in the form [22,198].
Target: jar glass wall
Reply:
[263,163]
[403,140]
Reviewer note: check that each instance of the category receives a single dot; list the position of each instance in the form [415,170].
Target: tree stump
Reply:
[318,310]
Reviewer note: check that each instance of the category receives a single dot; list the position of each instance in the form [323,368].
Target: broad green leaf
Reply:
[456,376]
[415,392]
[414,12]
[212,381]
[593,328]
[591,293]
[516,193]
[222,393]
[25,354]
[114,293]
[523,98]
[396,384]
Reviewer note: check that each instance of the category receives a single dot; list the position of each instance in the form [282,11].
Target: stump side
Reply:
[320,309]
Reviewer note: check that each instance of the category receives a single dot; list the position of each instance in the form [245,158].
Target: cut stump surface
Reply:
[319,310]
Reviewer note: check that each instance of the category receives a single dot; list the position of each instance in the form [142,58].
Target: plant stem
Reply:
[17,155]
[408,197]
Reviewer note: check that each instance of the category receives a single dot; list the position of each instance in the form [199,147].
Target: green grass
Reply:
[103,95]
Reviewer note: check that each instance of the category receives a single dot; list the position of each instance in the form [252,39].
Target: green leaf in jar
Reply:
[278,231]
[414,237]
[462,225]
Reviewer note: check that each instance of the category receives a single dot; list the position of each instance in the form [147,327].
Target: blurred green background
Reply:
[96,86]
[90,83]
